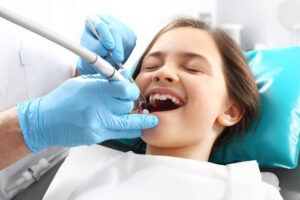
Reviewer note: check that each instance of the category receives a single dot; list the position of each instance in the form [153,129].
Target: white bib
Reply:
[100,173]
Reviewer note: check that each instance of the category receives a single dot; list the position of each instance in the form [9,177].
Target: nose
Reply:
[165,75]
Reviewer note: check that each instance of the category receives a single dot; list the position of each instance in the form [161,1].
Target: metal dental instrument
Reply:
[96,34]
[99,64]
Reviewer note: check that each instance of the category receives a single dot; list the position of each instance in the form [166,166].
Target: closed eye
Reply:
[150,68]
[192,70]
[152,62]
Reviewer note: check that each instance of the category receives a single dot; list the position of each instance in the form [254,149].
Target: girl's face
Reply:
[183,70]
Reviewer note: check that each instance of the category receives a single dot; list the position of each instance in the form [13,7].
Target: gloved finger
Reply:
[124,38]
[93,44]
[120,107]
[99,136]
[108,19]
[84,67]
[122,90]
[124,134]
[125,72]
[118,50]
[103,31]
[134,121]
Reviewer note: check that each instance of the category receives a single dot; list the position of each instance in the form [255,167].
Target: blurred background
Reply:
[253,24]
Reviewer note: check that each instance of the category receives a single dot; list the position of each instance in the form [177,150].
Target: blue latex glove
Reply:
[82,111]
[115,36]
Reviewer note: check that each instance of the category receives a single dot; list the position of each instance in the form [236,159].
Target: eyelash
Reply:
[188,69]
[152,68]
[192,70]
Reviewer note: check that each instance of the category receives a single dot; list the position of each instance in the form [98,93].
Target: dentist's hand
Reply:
[115,36]
[82,111]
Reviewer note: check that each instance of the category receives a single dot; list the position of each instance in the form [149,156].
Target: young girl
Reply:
[199,85]
[197,82]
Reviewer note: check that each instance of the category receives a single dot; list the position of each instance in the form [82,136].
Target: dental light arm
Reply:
[99,64]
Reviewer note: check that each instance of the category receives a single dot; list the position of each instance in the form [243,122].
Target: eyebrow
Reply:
[155,54]
[190,55]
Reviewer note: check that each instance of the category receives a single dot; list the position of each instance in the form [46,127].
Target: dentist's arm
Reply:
[12,144]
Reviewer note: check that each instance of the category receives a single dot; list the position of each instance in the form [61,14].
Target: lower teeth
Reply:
[145,111]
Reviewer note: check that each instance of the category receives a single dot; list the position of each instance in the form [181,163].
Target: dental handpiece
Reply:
[96,34]
[99,64]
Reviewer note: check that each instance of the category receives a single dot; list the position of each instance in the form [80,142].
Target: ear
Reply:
[231,115]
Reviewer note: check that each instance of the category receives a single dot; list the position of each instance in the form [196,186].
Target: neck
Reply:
[197,151]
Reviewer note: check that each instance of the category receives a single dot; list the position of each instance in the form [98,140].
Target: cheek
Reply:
[142,80]
[204,104]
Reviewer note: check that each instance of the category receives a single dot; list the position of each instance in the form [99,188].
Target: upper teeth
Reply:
[163,97]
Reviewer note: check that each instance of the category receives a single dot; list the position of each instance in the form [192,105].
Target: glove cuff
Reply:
[28,120]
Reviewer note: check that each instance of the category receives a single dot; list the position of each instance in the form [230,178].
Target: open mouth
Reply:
[162,102]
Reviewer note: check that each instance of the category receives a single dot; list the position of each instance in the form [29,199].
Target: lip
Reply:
[160,90]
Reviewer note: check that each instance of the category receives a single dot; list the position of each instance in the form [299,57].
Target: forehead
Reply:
[190,40]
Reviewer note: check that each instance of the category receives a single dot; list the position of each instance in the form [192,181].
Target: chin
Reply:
[160,136]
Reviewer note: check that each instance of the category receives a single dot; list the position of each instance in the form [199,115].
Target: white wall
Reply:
[259,20]
[144,17]
[147,17]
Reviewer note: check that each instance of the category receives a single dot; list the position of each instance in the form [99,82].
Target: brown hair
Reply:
[239,80]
